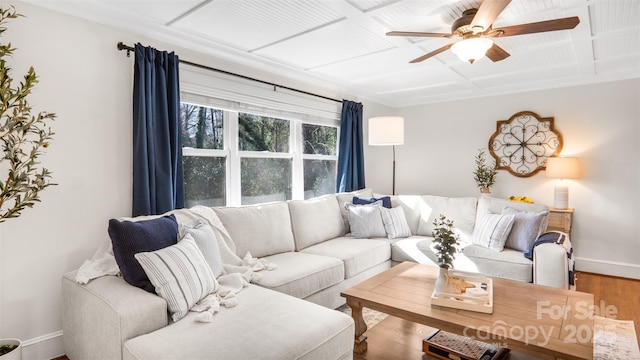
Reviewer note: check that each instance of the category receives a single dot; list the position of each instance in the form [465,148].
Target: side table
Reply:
[561,220]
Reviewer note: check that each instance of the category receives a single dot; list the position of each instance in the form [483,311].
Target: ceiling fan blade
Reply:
[537,27]
[417,34]
[487,14]
[496,53]
[434,52]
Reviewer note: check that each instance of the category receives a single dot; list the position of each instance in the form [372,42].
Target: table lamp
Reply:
[385,131]
[562,168]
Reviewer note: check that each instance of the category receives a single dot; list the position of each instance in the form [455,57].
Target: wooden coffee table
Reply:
[527,318]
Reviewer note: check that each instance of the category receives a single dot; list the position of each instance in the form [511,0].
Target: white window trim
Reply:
[234,156]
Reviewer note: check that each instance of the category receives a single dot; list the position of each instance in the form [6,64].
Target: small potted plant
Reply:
[10,349]
[446,246]
[484,175]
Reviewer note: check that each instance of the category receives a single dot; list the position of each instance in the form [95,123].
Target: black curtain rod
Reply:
[129,49]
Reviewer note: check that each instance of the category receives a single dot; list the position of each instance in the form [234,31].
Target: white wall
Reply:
[88,83]
[600,124]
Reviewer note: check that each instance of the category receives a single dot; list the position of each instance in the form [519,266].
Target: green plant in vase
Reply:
[484,175]
[446,243]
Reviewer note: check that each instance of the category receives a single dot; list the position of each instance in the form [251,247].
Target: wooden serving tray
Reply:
[479,298]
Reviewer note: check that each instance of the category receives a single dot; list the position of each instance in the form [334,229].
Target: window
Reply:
[240,158]
[319,147]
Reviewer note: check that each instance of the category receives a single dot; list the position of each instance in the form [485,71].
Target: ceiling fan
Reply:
[474,29]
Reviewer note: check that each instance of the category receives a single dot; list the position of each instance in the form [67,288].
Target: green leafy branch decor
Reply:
[24,136]
[484,175]
[445,240]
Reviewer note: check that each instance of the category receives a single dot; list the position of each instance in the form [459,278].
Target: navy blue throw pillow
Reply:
[129,238]
[386,201]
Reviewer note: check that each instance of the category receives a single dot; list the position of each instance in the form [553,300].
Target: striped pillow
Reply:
[492,231]
[180,275]
[395,223]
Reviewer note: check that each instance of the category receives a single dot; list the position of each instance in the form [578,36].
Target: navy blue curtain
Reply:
[157,150]
[350,148]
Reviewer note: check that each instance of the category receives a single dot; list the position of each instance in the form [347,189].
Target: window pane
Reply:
[202,127]
[204,181]
[318,139]
[261,133]
[265,180]
[319,177]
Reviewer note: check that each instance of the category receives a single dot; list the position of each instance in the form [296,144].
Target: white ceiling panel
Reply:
[336,42]
[616,45]
[341,44]
[610,16]
[254,24]
[623,66]
[536,78]
[156,10]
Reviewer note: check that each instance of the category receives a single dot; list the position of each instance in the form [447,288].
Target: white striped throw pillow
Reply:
[180,275]
[395,223]
[492,231]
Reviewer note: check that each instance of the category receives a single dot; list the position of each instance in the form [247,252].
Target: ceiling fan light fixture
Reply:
[471,49]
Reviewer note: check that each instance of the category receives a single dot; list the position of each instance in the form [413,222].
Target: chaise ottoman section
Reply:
[358,255]
[254,329]
[300,274]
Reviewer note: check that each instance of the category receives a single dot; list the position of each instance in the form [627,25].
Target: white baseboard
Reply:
[43,347]
[605,267]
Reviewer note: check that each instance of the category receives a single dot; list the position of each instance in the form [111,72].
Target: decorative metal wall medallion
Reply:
[523,143]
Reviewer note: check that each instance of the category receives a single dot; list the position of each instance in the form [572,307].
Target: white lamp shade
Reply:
[386,130]
[471,49]
[563,168]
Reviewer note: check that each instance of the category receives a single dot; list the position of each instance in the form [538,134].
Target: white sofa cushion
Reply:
[508,264]
[490,205]
[358,255]
[254,329]
[315,220]
[461,210]
[301,274]
[262,229]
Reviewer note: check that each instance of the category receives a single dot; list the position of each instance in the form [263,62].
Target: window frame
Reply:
[233,156]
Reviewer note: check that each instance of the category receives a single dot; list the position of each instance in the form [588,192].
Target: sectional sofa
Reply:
[286,313]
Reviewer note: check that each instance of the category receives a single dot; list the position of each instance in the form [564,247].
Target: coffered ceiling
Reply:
[343,42]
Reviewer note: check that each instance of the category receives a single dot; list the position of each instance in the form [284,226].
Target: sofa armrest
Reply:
[97,318]
[551,265]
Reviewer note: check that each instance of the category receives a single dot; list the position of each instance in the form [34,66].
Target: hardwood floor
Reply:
[622,293]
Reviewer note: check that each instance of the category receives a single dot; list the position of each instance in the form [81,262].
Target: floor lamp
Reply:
[562,168]
[385,131]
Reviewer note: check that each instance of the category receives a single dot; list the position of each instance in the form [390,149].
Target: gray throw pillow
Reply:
[365,221]
[527,226]
[206,241]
